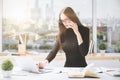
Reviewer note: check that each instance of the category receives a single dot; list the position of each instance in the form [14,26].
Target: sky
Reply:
[19,10]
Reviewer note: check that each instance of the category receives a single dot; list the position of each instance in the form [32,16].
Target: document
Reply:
[74,73]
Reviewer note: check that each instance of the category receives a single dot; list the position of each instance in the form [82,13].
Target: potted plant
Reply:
[102,47]
[7,67]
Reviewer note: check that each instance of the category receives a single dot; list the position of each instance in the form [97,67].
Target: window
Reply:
[108,24]
[37,20]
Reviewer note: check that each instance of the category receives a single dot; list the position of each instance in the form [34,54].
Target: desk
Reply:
[55,76]
[59,60]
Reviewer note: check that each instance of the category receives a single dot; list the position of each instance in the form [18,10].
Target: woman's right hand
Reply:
[42,64]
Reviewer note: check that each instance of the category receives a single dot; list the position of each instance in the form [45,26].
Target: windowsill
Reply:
[106,56]
[61,56]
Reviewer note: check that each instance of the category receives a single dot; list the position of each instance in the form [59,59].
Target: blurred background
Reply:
[38,20]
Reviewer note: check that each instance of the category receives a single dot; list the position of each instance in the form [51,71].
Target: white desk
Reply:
[53,76]
[22,75]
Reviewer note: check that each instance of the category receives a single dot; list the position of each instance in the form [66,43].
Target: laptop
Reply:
[28,64]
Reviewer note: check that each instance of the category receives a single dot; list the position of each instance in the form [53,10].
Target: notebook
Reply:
[82,73]
[28,64]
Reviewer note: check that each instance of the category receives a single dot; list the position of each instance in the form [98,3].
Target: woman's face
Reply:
[65,20]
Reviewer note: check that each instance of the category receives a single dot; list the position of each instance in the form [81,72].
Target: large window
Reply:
[37,21]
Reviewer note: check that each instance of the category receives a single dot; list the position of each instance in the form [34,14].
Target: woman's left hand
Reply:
[74,26]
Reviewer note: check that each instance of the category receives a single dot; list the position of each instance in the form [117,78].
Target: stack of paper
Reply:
[82,73]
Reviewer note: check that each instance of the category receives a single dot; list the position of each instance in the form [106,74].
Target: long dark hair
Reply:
[70,13]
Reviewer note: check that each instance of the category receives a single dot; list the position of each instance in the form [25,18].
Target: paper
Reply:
[82,73]
[114,73]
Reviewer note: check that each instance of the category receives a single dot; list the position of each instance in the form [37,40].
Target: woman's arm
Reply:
[53,52]
[84,46]
[50,56]
[74,26]
[82,35]
[79,38]
[83,40]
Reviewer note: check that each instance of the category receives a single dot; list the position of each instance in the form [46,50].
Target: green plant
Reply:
[7,65]
[102,46]
[45,47]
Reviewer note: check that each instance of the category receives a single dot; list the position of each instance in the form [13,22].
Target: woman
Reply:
[73,38]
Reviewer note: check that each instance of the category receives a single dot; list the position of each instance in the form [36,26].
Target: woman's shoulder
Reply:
[86,28]
[83,28]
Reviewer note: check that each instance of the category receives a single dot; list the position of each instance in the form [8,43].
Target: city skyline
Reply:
[12,9]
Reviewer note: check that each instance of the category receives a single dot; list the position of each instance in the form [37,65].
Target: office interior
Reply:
[37,22]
